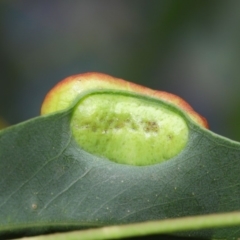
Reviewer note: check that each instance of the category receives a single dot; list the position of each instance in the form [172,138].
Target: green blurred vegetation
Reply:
[190,48]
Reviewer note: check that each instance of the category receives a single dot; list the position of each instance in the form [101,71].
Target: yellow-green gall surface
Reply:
[127,129]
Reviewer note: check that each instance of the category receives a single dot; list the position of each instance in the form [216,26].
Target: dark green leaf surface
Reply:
[49,183]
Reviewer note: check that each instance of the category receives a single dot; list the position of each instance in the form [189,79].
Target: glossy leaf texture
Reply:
[48,183]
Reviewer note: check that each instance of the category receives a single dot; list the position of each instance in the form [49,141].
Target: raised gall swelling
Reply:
[126,123]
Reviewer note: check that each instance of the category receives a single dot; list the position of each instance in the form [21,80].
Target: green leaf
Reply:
[48,183]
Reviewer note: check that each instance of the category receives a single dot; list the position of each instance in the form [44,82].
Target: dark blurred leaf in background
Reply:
[3,123]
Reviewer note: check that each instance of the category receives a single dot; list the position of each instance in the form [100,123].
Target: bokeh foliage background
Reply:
[190,48]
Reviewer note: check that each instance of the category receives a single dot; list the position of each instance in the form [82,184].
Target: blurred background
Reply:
[189,48]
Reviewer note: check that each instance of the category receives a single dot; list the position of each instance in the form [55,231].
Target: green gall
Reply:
[128,129]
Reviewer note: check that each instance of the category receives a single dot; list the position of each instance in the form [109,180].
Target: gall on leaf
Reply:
[123,128]
[64,92]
